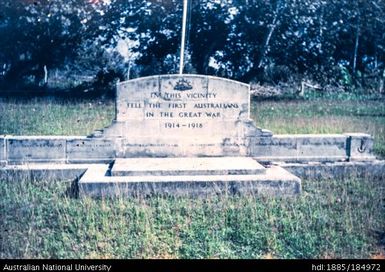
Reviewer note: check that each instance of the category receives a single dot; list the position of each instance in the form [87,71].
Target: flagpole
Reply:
[183,39]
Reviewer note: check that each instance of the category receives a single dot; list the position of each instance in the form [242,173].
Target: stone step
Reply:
[186,166]
[275,181]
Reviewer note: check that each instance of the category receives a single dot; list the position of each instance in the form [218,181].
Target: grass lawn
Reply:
[44,116]
[330,219]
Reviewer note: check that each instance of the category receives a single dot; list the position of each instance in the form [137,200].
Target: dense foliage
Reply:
[338,43]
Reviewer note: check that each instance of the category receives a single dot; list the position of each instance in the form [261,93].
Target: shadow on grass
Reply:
[73,190]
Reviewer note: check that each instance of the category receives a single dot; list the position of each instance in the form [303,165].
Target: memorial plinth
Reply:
[194,177]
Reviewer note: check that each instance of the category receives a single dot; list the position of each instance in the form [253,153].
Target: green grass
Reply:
[330,219]
[44,116]
[338,219]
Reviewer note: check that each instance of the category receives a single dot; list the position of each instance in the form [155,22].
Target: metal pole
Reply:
[183,39]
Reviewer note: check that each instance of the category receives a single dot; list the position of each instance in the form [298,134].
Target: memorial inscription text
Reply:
[183,110]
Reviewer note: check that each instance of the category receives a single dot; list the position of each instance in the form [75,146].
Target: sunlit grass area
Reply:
[54,116]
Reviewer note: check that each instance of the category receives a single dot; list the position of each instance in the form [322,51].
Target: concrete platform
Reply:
[335,170]
[98,173]
[272,181]
[186,166]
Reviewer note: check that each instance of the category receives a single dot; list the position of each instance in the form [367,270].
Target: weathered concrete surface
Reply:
[374,169]
[289,148]
[360,146]
[186,166]
[184,116]
[26,149]
[42,171]
[276,181]
[284,147]
[210,116]
[140,147]
[311,147]
[89,150]
[337,170]
[159,95]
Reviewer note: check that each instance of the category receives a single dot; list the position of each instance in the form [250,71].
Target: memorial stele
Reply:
[182,116]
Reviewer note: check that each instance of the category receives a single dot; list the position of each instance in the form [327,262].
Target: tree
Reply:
[38,36]
[338,42]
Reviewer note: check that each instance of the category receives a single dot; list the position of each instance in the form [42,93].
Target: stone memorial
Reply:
[182,116]
[184,135]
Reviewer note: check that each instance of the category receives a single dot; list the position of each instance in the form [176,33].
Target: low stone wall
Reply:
[43,171]
[55,149]
[337,170]
[288,148]
[314,147]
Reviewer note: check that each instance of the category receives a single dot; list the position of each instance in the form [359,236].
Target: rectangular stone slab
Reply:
[186,166]
[83,149]
[276,181]
[26,149]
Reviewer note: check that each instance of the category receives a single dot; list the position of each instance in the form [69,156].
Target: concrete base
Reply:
[186,166]
[337,170]
[43,171]
[97,177]
[246,177]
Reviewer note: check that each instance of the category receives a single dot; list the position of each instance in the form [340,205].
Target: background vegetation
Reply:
[87,44]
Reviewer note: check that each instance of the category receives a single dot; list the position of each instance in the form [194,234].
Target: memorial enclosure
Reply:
[186,135]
